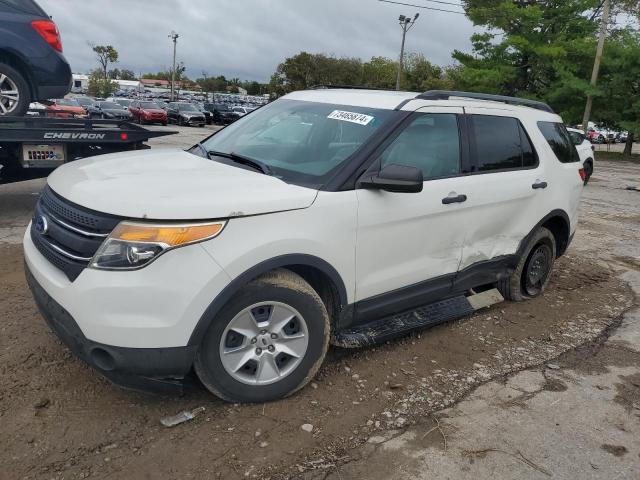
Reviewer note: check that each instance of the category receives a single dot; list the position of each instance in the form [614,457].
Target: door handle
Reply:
[539,184]
[457,199]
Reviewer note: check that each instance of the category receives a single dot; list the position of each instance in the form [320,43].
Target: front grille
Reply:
[73,233]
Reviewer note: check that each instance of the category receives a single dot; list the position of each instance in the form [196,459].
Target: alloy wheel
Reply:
[264,343]
[9,95]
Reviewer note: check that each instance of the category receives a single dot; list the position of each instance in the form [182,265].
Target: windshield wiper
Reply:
[237,158]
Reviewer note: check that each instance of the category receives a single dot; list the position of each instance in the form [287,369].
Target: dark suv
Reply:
[221,113]
[32,67]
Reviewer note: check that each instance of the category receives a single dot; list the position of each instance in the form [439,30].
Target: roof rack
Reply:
[446,94]
[351,87]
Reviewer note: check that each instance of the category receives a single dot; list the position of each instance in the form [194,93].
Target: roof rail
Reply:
[352,87]
[446,94]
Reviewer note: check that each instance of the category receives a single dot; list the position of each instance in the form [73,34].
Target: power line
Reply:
[457,4]
[423,6]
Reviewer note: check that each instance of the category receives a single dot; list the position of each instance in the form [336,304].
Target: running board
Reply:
[387,328]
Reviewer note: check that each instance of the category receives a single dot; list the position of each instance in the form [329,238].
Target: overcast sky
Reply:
[248,38]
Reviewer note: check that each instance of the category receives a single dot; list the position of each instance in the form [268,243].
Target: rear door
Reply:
[409,245]
[506,188]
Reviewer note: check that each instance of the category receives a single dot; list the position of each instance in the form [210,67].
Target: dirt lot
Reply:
[62,420]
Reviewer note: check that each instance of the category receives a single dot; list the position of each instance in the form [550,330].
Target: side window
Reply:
[529,157]
[576,137]
[559,141]
[431,143]
[500,143]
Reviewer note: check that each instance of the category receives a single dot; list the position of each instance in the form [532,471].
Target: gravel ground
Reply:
[60,419]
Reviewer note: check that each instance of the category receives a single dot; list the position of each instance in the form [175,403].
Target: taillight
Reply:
[583,174]
[48,30]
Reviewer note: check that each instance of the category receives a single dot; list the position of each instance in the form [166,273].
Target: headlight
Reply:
[133,245]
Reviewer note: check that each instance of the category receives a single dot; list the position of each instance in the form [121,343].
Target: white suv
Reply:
[329,216]
[586,151]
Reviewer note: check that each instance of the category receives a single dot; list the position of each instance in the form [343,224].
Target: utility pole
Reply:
[604,22]
[173,36]
[405,23]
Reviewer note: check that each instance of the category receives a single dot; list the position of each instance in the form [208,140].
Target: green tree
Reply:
[105,54]
[126,74]
[166,74]
[213,84]
[99,86]
[305,70]
[617,99]
[421,75]
[380,72]
[531,48]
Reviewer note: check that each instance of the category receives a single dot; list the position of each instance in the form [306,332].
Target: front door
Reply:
[409,245]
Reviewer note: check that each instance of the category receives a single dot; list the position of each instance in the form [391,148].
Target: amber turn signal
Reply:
[170,235]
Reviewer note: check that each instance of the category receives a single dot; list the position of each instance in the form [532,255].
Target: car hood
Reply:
[173,185]
[152,110]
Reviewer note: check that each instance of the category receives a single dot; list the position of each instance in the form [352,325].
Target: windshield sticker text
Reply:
[353,117]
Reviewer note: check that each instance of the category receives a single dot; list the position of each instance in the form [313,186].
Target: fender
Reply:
[263,267]
[561,247]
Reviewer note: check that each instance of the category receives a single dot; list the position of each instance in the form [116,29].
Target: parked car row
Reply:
[145,111]
[603,135]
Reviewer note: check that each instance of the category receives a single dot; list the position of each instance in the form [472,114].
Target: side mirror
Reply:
[394,178]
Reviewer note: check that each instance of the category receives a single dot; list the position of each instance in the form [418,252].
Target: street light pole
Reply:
[405,23]
[173,36]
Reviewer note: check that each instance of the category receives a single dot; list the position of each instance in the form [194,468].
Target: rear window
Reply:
[559,141]
[500,143]
[576,137]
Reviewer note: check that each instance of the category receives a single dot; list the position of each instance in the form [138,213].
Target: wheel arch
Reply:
[321,275]
[14,60]
[558,223]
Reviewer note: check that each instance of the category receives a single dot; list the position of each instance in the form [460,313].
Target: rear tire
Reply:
[276,313]
[533,272]
[15,96]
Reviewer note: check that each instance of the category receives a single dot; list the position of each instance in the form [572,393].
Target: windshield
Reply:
[185,107]
[68,102]
[110,105]
[124,103]
[149,105]
[302,142]
[84,101]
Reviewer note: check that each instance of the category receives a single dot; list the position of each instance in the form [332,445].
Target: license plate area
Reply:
[42,155]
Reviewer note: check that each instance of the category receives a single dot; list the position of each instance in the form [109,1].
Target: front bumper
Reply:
[159,370]
[157,306]
[200,121]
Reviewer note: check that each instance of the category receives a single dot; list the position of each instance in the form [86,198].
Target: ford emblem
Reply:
[41,225]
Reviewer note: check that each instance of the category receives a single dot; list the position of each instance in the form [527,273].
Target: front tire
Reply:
[15,96]
[533,272]
[267,342]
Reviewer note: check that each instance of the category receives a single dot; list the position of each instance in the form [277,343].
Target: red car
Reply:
[147,112]
[65,108]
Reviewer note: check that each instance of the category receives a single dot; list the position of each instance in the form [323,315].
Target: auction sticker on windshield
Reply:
[353,117]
